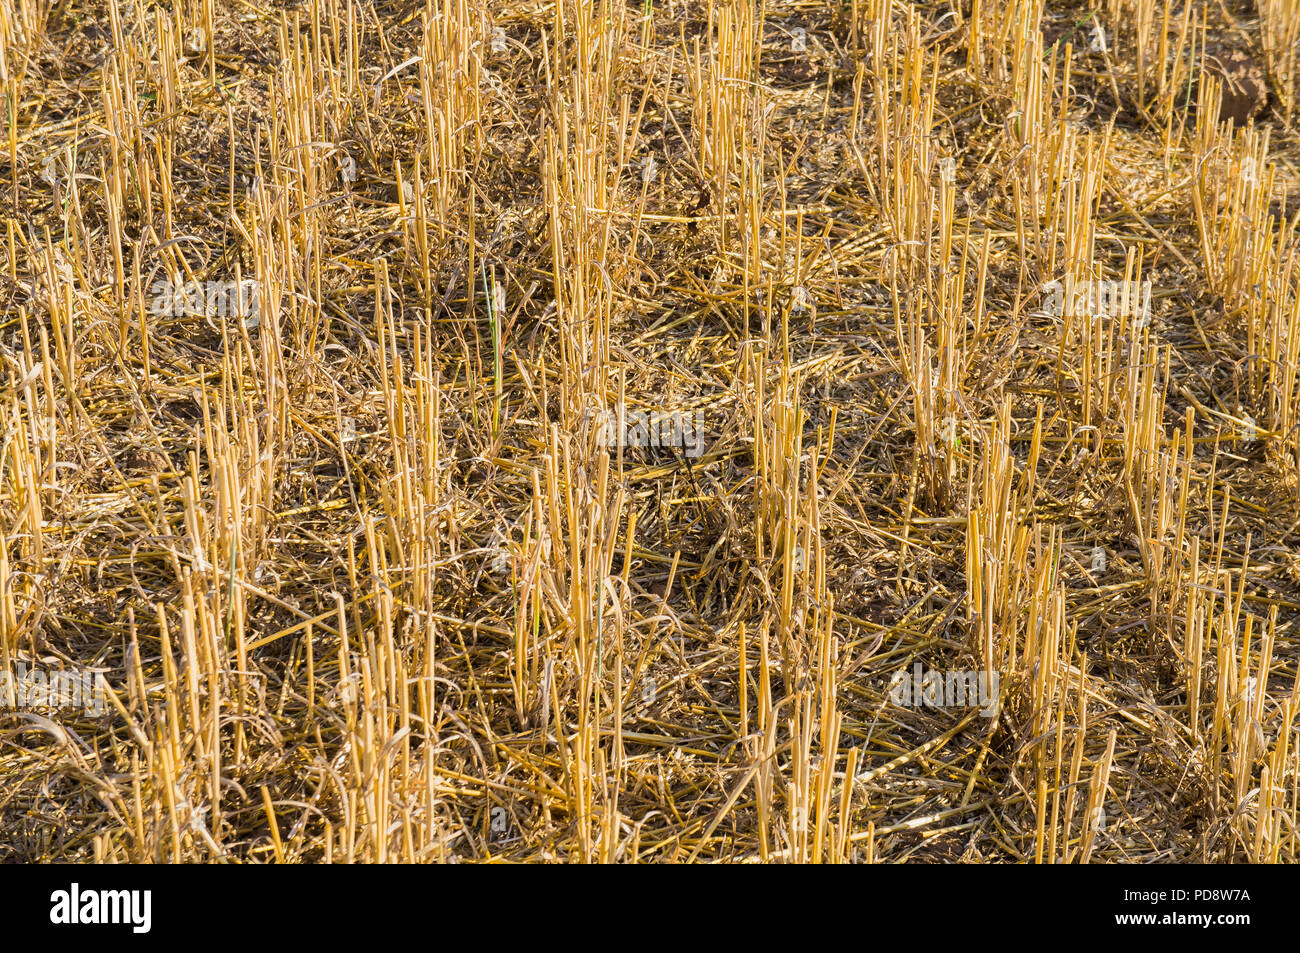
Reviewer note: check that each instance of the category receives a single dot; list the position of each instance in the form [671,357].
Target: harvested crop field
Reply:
[660,431]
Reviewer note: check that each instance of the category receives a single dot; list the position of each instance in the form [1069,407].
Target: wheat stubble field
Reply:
[989,317]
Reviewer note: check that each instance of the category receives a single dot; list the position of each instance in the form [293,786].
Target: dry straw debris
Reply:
[988,313]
